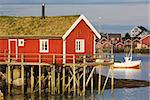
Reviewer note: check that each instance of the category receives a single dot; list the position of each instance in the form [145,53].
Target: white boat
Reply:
[128,63]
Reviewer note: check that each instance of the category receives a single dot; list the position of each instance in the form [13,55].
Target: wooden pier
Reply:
[46,72]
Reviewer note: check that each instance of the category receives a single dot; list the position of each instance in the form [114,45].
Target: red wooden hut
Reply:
[145,41]
[52,35]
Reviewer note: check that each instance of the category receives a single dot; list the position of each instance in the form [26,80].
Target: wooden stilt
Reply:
[84,72]
[9,79]
[74,80]
[49,82]
[99,80]
[63,81]
[78,76]
[112,79]
[8,73]
[39,75]
[90,76]
[53,79]
[32,79]
[92,84]
[105,82]
[58,83]
[69,83]
[22,73]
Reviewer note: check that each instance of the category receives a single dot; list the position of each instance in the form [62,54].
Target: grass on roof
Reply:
[35,25]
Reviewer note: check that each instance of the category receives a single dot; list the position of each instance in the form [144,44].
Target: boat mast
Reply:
[131,43]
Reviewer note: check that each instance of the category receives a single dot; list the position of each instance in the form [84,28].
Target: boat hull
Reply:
[128,64]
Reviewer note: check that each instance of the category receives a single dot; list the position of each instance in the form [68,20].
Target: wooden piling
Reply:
[8,72]
[69,84]
[22,73]
[74,80]
[32,79]
[63,80]
[99,80]
[39,75]
[112,79]
[84,73]
[105,81]
[78,86]
[58,83]
[92,84]
[49,82]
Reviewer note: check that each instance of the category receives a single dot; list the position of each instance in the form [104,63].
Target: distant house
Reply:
[103,40]
[114,38]
[139,31]
[107,45]
[136,43]
[145,41]
[51,35]
[119,45]
[127,43]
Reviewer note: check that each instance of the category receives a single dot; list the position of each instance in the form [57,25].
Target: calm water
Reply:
[141,93]
[140,74]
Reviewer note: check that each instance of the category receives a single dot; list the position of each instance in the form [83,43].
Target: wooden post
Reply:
[49,82]
[69,84]
[8,71]
[63,81]
[53,76]
[22,73]
[58,83]
[78,76]
[39,74]
[105,82]
[92,84]
[74,80]
[99,80]
[32,79]
[84,72]
[112,79]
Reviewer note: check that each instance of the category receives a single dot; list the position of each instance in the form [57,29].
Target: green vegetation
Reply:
[34,25]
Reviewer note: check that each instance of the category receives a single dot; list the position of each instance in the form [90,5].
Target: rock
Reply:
[1,96]
[16,73]
[17,82]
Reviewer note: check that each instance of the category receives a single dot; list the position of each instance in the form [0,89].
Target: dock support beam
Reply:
[22,73]
[63,81]
[84,72]
[112,79]
[49,82]
[39,75]
[74,80]
[32,79]
[99,80]
[9,79]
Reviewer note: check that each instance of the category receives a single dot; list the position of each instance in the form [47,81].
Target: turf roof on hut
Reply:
[35,25]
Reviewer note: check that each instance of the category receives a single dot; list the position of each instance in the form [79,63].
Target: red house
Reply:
[115,38]
[51,35]
[145,41]
[127,43]
[119,45]
[136,43]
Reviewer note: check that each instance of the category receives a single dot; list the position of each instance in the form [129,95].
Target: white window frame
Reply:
[41,45]
[20,42]
[80,45]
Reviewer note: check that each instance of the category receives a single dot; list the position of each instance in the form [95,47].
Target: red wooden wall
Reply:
[81,31]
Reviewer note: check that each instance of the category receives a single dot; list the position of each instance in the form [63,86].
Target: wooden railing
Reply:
[54,58]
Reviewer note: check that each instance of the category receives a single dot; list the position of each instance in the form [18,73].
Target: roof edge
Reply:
[82,17]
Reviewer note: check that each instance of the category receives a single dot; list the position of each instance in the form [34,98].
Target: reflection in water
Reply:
[128,73]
